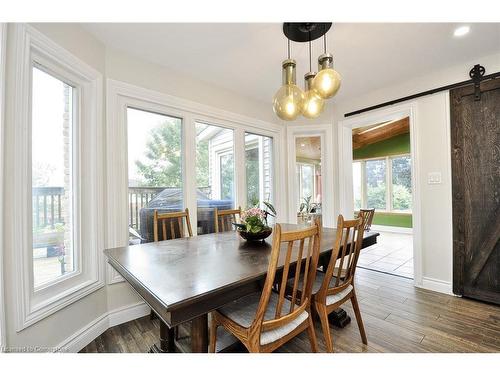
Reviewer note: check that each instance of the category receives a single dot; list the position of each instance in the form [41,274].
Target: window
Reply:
[357,179]
[214,173]
[375,184]
[258,168]
[56,213]
[52,177]
[154,169]
[306,182]
[401,183]
[383,183]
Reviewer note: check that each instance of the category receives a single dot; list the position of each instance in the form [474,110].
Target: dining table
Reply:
[184,279]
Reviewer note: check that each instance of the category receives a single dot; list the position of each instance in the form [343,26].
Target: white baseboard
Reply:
[436,285]
[385,228]
[85,335]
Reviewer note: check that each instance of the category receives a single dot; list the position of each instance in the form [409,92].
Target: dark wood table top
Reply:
[183,278]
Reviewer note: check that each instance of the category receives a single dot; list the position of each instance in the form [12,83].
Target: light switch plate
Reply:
[434,178]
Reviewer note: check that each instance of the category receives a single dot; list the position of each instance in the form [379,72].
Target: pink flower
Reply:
[254,211]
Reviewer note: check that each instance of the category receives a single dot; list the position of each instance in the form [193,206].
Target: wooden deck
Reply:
[398,318]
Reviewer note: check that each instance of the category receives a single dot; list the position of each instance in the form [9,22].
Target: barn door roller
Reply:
[477,73]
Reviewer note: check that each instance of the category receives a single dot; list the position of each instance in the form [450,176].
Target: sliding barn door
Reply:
[475,140]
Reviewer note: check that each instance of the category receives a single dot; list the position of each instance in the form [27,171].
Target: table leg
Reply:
[199,334]
[167,344]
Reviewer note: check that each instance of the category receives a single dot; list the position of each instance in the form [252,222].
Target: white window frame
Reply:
[388,183]
[34,305]
[3,50]
[121,95]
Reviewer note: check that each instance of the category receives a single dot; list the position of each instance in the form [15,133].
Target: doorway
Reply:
[381,171]
[308,178]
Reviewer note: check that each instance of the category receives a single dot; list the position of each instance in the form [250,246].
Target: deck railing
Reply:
[47,204]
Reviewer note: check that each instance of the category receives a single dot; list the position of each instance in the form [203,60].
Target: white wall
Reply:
[434,154]
[91,311]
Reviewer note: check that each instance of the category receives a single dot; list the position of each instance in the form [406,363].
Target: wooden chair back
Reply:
[170,225]
[224,219]
[302,248]
[344,258]
[367,215]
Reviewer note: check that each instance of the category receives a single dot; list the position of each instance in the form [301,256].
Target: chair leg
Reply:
[357,312]
[213,335]
[325,325]
[312,335]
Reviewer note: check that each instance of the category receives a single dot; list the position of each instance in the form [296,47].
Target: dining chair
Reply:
[263,321]
[367,215]
[171,225]
[224,219]
[335,286]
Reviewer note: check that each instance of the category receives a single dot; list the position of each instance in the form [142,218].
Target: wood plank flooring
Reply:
[398,318]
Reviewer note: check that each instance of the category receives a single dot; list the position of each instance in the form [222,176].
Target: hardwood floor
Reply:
[398,318]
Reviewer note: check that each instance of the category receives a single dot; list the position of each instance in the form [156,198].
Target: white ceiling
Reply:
[246,58]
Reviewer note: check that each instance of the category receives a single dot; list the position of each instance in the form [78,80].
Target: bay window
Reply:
[56,188]
[258,168]
[214,173]
[154,169]
[52,177]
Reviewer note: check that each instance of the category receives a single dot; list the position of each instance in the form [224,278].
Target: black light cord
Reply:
[310,54]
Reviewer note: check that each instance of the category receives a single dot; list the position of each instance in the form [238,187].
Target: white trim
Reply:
[325,132]
[409,109]
[436,285]
[121,95]
[34,305]
[385,228]
[98,326]
[3,50]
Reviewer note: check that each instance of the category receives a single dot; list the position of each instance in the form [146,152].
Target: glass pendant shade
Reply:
[313,103]
[327,81]
[288,101]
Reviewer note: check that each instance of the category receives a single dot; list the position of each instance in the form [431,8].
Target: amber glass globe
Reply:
[327,81]
[313,103]
[288,102]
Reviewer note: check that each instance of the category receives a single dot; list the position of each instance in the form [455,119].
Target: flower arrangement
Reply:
[254,225]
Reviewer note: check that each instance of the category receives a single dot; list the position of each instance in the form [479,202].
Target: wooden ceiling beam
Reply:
[368,137]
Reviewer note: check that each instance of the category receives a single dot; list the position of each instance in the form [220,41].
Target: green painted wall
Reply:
[399,144]
[392,220]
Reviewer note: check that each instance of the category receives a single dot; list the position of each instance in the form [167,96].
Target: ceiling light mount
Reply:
[305,31]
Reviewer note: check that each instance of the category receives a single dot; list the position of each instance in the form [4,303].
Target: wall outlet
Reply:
[434,178]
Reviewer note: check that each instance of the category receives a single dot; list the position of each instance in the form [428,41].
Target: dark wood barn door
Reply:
[475,141]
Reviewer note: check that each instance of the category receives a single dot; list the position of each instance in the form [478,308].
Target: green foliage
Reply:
[202,167]
[252,171]
[376,196]
[254,224]
[162,165]
[226,176]
[401,199]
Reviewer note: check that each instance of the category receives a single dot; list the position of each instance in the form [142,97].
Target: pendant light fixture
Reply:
[327,81]
[313,103]
[290,101]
